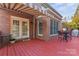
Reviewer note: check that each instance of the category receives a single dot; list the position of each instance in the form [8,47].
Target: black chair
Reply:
[60,35]
[70,35]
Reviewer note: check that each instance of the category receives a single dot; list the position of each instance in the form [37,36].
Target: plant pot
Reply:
[12,42]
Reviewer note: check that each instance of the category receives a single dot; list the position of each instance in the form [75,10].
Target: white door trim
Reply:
[20,26]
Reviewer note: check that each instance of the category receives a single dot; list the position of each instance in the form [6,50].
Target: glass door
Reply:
[19,27]
[15,29]
[25,30]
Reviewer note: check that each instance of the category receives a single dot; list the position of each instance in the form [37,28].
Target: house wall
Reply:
[56,18]
[5,20]
[60,25]
[45,27]
[5,23]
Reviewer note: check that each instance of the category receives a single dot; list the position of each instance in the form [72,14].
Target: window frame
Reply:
[53,22]
[40,18]
[20,26]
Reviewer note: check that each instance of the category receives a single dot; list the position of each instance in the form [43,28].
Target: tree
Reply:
[75,20]
[74,24]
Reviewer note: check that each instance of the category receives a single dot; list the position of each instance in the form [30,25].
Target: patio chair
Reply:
[69,36]
[60,35]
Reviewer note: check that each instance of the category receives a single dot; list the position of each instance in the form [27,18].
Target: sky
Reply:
[65,9]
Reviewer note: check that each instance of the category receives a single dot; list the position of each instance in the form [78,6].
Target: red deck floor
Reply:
[42,48]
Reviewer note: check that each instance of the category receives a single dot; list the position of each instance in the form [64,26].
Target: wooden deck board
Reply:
[42,48]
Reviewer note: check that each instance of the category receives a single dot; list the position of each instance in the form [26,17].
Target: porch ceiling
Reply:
[30,8]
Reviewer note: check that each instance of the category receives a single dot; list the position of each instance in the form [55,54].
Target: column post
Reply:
[46,28]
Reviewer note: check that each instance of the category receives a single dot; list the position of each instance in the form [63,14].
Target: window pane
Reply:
[55,27]
[15,29]
[40,26]
[51,27]
[24,28]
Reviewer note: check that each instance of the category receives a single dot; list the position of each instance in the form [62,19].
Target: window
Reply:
[51,27]
[40,32]
[19,27]
[24,28]
[55,27]
[15,28]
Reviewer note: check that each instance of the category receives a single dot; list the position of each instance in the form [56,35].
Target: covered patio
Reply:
[38,47]
[21,21]
[28,21]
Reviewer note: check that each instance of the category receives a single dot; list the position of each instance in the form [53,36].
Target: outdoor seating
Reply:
[70,37]
[60,35]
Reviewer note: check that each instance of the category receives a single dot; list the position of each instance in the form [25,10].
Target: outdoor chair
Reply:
[60,35]
[69,36]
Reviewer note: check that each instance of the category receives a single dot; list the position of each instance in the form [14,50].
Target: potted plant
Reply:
[12,40]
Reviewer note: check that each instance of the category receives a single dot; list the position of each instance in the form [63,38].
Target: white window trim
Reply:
[38,29]
[53,34]
[27,28]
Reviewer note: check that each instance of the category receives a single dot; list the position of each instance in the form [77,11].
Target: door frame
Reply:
[20,26]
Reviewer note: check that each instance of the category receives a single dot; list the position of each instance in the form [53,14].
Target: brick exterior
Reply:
[46,28]
[5,24]
[5,21]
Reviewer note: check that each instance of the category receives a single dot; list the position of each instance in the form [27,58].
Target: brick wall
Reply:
[5,23]
[5,20]
[46,29]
